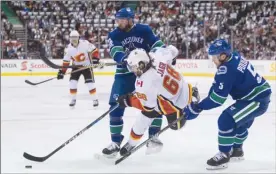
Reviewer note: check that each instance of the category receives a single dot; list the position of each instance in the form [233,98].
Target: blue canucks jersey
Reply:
[236,78]
[121,43]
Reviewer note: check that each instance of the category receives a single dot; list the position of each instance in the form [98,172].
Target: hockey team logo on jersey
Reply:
[222,70]
[79,58]
[139,83]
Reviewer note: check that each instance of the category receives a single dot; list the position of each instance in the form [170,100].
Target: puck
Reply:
[28,167]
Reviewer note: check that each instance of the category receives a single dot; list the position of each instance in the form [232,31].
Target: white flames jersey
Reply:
[163,89]
[80,54]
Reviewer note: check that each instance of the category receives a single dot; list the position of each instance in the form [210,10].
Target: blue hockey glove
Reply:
[192,111]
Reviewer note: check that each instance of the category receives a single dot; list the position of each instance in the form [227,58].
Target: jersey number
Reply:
[254,74]
[171,80]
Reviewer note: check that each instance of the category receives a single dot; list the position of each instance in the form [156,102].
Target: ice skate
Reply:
[112,150]
[236,154]
[95,103]
[154,146]
[72,103]
[125,149]
[219,161]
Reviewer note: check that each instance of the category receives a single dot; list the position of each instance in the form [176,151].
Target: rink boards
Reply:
[197,68]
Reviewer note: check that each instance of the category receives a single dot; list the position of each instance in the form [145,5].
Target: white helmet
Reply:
[74,37]
[138,61]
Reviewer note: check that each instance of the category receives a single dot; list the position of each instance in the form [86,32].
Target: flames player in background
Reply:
[159,89]
[80,52]
[236,77]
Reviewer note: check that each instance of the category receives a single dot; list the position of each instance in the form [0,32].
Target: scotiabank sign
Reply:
[30,65]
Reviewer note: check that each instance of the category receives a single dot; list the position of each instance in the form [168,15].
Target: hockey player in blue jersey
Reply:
[125,38]
[236,77]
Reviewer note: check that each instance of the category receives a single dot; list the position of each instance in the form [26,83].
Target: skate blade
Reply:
[153,150]
[108,159]
[222,166]
[236,159]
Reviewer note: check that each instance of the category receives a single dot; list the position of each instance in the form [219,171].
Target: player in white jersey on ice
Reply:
[80,52]
[159,89]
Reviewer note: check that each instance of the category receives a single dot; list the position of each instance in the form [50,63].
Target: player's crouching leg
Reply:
[226,139]
[140,126]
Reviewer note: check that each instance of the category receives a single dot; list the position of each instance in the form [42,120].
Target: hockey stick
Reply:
[41,159]
[146,141]
[55,66]
[32,83]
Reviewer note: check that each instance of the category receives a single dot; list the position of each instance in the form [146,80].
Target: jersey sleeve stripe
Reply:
[217,98]
[158,43]
[116,49]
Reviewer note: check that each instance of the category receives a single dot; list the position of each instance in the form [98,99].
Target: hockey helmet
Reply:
[164,54]
[218,47]
[125,13]
[138,61]
[74,37]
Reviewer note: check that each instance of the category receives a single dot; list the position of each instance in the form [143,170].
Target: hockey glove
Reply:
[124,101]
[192,111]
[96,61]
[60,75]
[195,95]
[174,61]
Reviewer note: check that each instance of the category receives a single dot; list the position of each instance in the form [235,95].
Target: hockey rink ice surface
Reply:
[37,119]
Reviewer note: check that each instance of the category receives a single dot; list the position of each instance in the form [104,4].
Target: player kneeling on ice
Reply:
[159,89]
[235,76]
[82,53]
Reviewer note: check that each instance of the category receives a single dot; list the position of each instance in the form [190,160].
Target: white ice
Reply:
[37,119]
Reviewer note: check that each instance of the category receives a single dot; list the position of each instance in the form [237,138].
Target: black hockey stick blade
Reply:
[41,159]
[32,83]
[34,158]
[146,141]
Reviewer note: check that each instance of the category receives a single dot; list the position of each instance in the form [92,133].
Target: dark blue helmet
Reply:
[219,46]
[125,13]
